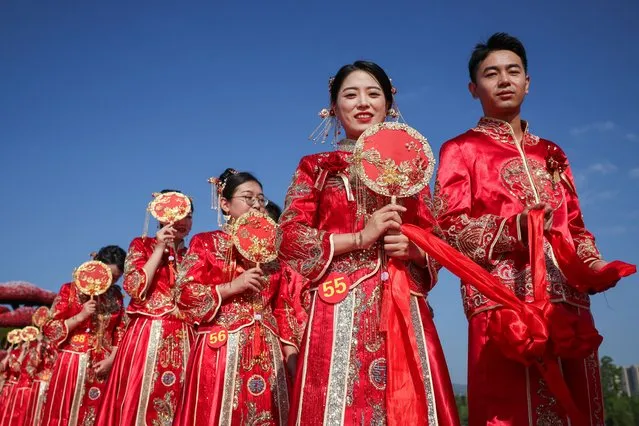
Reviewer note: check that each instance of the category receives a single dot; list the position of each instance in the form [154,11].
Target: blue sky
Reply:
[102,104]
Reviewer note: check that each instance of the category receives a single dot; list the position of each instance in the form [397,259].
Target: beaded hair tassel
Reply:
[217,187]
[147,218]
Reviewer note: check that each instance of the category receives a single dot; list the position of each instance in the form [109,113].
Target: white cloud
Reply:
[595,197]
[580,179]
[605,167]
[598,126]
[634,173]
[632,136]
[614,230]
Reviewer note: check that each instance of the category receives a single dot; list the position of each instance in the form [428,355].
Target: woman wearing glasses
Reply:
[245,322]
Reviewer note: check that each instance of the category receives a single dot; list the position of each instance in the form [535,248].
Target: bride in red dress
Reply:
[334,230]
[245,321]
[148,372]
[87,333]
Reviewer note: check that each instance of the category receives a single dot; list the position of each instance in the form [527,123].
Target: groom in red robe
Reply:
[489,179]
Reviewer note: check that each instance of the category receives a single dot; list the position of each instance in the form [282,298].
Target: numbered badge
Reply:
[334,289]
[78,338]
[218,337]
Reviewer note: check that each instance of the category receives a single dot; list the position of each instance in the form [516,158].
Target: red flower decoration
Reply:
[556,162]
[333,162]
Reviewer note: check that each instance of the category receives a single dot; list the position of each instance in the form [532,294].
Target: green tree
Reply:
[462,408]
[618,406]
[634,405]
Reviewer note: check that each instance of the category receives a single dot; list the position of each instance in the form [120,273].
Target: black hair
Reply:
[164,191]
[370,67]
[231,179]
[273,210]
[497,41]
[112,255]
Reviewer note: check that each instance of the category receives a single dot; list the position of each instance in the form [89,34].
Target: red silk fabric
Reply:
[539,332]
[579,275]
[405,396]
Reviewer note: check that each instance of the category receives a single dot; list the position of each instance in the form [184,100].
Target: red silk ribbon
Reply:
[405,390]
[534,333]
[581,276]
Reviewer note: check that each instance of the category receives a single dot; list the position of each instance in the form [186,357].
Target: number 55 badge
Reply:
[334,288]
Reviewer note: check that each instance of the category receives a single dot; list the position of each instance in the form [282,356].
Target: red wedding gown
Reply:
[148,371]
[356,366]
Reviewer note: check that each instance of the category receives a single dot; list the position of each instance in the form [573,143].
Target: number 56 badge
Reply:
[217,337]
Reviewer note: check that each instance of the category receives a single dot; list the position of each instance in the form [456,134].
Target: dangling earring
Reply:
[394,114]
[393,111]
[329,124]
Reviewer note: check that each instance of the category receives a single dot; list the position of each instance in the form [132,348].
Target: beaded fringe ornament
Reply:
[217,186]
[329,124]
[147,218]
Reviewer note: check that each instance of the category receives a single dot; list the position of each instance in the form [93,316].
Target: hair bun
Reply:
[226,174]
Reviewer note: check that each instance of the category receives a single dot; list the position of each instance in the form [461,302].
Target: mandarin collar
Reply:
[503,131]
[346,145]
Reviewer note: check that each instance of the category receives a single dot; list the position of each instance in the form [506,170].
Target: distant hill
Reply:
[459,389]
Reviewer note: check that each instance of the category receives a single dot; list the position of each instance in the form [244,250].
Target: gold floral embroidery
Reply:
[89,417]
[185,266]
[354,261]
[165,410]
[373,339]
[307,248]
[223,246]
[591,364]
[504,242]
[502,131]
[249,359]
[439,202]
[158,300]
[171,350]
[203,299]
[586,248]
[134,280]
[519,280]
[296,190]
[379,414]
[255,418]
[546,411]
[473,237]
[515,179]
[56,330]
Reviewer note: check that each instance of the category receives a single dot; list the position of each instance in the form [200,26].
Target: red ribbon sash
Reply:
[534,333]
